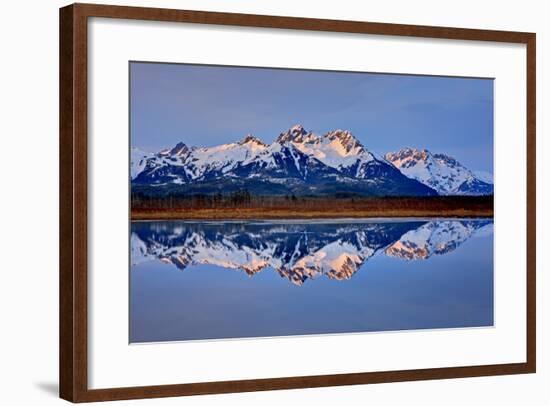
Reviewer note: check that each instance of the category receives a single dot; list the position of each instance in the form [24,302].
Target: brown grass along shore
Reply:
[304,208]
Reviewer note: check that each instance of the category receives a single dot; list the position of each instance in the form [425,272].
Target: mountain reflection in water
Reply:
[297,251]
[214,280]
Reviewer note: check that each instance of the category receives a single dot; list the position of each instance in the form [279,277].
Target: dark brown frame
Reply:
[73,361]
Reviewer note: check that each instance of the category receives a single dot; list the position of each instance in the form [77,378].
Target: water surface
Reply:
[213,280]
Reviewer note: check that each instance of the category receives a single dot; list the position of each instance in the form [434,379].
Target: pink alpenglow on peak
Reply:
[439,171]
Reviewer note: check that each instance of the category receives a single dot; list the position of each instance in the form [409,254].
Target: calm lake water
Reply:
[213,280]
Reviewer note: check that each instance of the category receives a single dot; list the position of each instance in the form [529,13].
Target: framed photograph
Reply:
[254,202]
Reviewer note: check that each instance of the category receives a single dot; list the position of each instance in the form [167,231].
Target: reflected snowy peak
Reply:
[435,238]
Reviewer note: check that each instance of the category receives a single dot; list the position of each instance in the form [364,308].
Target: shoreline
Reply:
[269,214]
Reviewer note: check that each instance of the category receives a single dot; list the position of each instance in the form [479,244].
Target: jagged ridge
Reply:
[298,162]
[439,171]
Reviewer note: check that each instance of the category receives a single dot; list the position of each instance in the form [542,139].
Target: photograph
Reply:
[283,202]
[269,203]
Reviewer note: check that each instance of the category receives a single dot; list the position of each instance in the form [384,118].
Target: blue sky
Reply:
[209,105]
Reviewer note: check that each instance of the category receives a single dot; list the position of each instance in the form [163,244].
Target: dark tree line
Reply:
[239,198]
[244,199]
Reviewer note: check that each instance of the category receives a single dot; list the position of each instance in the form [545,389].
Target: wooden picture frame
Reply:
[73,198]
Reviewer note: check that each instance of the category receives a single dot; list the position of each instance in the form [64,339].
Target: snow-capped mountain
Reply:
[338,149]
[182,164]
[298,162]
[297,252]
[441,172]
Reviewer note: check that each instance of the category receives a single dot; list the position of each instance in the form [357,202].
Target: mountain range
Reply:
[297,251]
[302,163]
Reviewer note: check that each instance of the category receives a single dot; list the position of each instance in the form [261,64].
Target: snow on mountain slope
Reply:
[197,163]
[338,149]
[439,171]
[335,162]
[138,160]
[341,151]
[287,158]
[283,161]
[223,158]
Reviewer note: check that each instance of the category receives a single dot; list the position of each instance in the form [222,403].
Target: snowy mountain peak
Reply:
[179,150]
[408,156]
[435,238]
[346,139]
[338,149]
[250,139]
[296,134]
[439,171]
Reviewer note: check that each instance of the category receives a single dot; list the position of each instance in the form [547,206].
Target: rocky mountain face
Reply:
[440,172]
[297,252]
